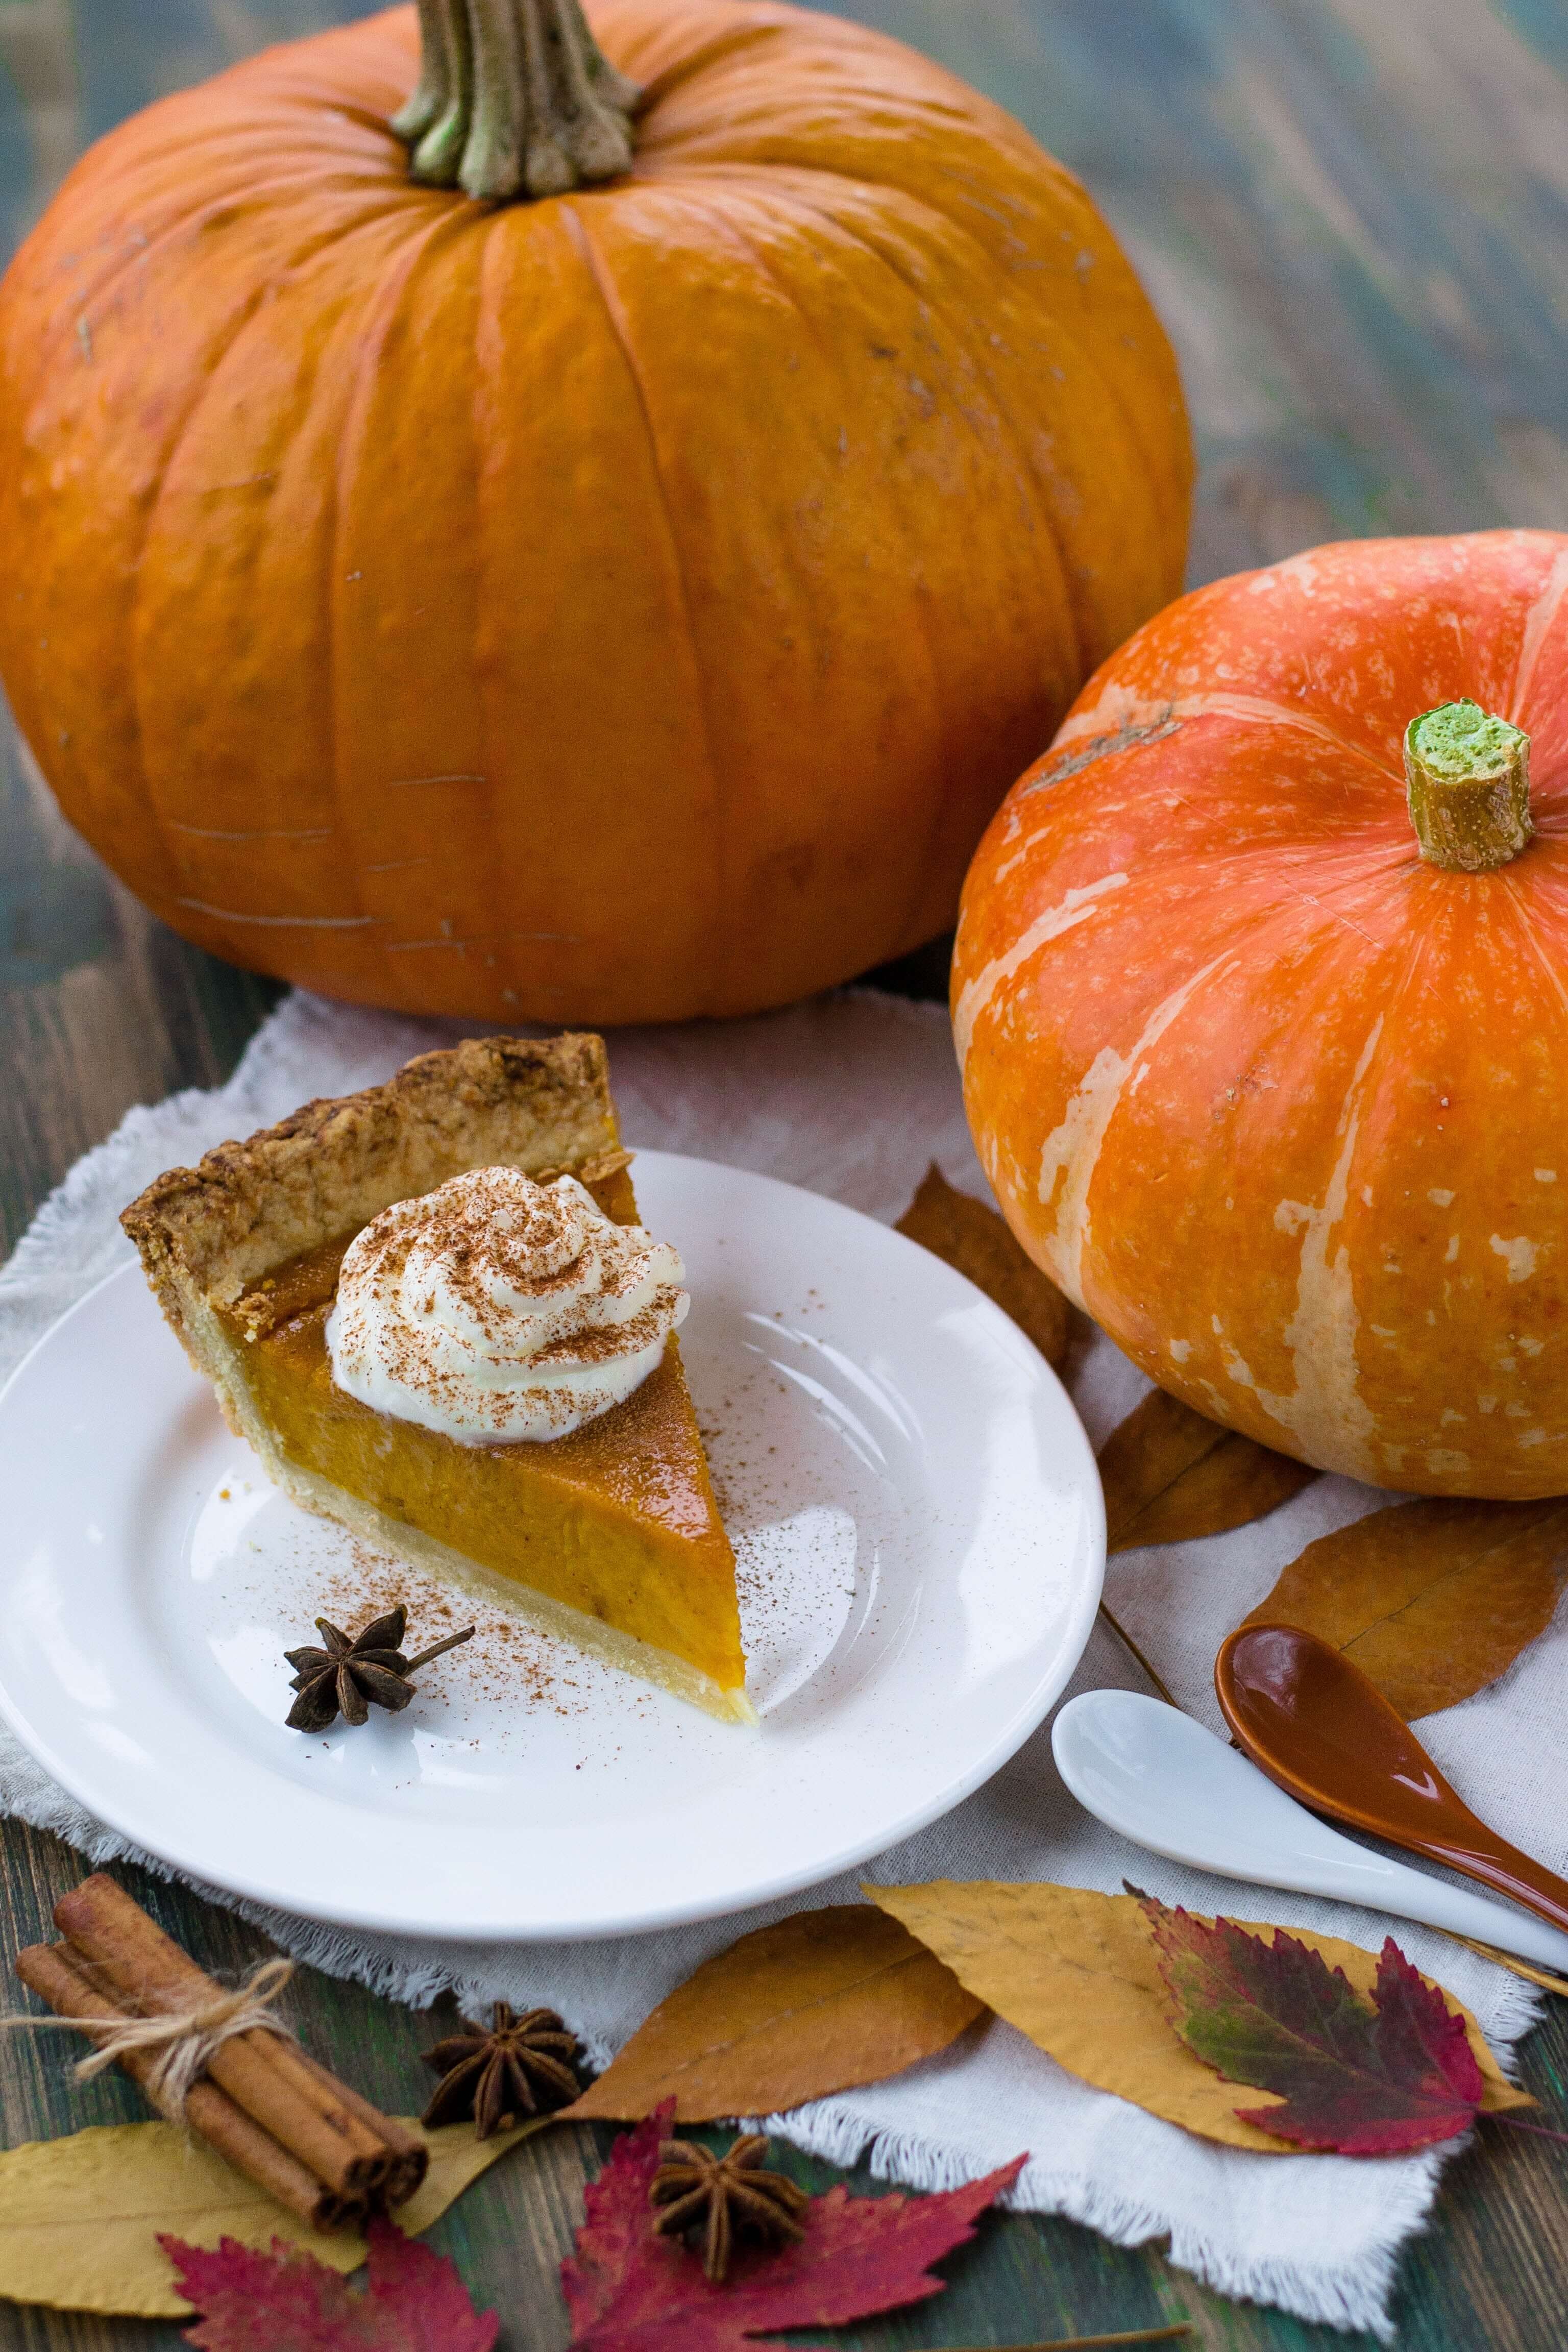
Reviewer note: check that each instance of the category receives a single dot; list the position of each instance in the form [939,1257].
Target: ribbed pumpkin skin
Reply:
[620,607]
[1284,1108]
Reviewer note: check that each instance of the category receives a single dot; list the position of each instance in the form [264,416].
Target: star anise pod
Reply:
[725,2193]
[355,1669]
[521,2066]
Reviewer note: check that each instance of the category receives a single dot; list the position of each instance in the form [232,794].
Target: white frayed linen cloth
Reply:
[852,1094]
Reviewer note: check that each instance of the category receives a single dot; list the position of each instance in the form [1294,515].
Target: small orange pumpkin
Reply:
[622,605]
[1262,994]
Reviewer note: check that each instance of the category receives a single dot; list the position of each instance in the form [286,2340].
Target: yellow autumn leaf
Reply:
[80,2217]
[1078,1972]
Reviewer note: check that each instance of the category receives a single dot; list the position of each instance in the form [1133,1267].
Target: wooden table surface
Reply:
[1354,214]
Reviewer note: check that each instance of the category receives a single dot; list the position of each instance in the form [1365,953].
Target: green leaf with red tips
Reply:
[1360,2078]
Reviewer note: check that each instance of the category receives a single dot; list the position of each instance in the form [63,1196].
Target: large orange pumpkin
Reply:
[1282,1102]
[623,605]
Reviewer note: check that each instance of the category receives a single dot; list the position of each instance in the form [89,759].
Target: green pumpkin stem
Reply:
[515,99]
[1467,785]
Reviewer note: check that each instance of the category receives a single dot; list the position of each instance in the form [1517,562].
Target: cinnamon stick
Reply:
[337,2135]
[410,2154]
[52,1972]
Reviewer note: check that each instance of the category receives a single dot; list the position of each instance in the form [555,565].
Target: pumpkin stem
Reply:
[1467,785]
[514,99]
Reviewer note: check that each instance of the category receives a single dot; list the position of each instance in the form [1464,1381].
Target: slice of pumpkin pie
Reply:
[433,1312]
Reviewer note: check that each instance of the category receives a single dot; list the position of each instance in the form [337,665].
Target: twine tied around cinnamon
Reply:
[188,2038]
[219,2062]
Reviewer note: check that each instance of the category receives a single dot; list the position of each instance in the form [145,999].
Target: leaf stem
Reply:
[1128,1643]
[1506,1960]
[1517,2123]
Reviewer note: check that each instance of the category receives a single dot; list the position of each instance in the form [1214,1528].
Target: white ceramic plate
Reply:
[920,1536]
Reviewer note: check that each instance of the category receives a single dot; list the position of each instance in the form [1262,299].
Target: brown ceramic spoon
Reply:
[1327,1735]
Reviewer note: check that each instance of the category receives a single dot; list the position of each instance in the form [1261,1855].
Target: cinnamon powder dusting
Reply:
[497,1308]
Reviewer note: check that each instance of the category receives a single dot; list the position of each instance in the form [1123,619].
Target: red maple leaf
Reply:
[1362,2077]
[285,2301]
[628,2291]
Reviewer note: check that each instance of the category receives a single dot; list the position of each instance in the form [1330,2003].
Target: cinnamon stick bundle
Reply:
[318,2147]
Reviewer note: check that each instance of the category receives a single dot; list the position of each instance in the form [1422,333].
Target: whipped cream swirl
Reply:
[495,1309]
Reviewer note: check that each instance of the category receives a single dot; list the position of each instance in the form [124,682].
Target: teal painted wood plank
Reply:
[1544,26]
[17,175]
[131,55]
[1354,219]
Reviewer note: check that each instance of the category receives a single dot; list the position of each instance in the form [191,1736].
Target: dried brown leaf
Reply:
[977,1242]
[1431,1600]
[814,2003]
[1079,1973]
[1170,1475]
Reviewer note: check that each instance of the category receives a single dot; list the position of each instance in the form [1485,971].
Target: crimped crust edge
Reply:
[205,1233]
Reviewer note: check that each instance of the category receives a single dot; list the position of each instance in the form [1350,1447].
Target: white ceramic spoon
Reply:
[1158,1777]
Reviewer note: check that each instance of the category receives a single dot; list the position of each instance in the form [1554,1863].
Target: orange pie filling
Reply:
[616,1520]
